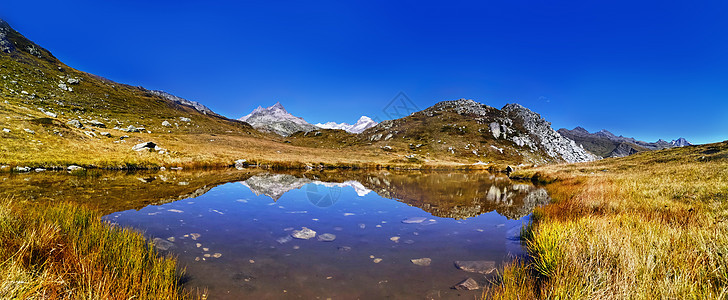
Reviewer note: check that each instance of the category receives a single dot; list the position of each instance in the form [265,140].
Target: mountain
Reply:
[461,130]
[607,144]
[680,142]
[362,124]
[276,119]
[275,185]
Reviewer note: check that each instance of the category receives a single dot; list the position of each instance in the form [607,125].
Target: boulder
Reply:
[96,123]
[144,146]
[166,124]
[74,123]
[183,119]
[74,168]
[240,164]
[106,134]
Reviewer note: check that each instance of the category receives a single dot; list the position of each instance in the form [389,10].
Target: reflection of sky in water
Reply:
[257,258]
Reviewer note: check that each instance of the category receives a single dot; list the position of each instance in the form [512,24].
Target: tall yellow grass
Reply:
[649,226]
[67,252]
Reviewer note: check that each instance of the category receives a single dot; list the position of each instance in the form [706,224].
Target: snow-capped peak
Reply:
[276,119]
[681,142]
[362,124]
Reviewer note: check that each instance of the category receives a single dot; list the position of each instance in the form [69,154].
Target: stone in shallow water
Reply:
[285,239]
[377,260]
[195,236]
[344,248]
[425,261]
[162,244]
[414,220]
[476,266]
[326,237]
[394,239]
[467,285]
[304,234]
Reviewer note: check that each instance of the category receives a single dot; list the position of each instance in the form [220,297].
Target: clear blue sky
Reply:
[653,69]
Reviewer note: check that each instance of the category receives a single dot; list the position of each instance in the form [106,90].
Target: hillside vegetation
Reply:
[647,226]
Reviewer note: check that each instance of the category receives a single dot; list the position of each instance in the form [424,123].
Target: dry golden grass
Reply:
[67,252]
[648,226]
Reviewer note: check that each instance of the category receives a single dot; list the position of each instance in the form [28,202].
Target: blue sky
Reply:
[654,69]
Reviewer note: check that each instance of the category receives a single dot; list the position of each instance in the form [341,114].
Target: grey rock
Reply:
[183,119]
[304,234]
[476,266]
[74,168]
[29,131]
[144,146]
[166,124]
[467,285]
[96,123]
[326,237]
[74,123]
[6,130]
[106,134]
[22,169]
[240,164]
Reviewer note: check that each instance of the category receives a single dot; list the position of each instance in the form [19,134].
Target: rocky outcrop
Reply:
[277,120]
[179,100]
[547,139]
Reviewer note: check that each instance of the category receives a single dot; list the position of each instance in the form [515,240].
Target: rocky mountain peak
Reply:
[680,142]
[276,119]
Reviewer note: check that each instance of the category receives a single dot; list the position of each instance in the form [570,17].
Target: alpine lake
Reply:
[316,234]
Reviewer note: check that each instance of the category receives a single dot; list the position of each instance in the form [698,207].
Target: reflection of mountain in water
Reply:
[275,185]
[458,196]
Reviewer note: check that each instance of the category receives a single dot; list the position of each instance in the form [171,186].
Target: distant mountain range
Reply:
[606,144]
[362,124]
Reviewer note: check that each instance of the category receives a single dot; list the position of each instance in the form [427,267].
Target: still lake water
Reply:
[233,230]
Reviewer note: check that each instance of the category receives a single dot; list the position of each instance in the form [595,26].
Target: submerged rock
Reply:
[304,234]
[467,285]
[425,261]
[162,244]
[476,266]
[326,237]
[414,220]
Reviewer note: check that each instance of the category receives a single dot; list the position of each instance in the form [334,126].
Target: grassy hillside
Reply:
[647,226]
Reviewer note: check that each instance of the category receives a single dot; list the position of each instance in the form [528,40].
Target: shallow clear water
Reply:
[236,240]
